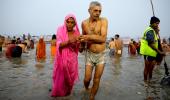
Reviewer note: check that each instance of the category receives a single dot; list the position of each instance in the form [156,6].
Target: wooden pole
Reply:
[152,8]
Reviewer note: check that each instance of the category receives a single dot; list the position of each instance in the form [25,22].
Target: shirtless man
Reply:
[112,47]
[118,45]
[94,31]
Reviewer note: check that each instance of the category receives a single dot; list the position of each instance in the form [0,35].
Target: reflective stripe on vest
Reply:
[145,49]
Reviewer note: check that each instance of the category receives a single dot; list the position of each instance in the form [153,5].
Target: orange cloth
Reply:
[41,49]
[53,48]
[9,49]
[132,49]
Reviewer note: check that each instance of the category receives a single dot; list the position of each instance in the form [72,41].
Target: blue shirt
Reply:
[150,36]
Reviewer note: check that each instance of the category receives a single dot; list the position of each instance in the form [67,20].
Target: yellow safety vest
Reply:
[145,49]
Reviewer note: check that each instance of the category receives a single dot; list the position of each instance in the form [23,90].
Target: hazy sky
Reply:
[129,18]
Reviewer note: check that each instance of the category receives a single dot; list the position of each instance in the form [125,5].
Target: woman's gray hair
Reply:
[94,3]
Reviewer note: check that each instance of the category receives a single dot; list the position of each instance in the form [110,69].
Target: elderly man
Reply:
[94,36]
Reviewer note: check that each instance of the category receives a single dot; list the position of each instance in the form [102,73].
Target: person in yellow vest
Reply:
[149,48]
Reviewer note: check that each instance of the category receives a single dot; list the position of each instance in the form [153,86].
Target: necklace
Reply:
[92,26]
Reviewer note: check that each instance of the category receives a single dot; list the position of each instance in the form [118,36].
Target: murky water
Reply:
[25,79]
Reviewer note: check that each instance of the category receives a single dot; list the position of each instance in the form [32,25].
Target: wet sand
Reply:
[25,79]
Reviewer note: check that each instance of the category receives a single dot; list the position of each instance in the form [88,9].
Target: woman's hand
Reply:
[73,40]
[83,38]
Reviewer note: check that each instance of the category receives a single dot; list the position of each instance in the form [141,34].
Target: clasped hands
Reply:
[83,38]
[79,39]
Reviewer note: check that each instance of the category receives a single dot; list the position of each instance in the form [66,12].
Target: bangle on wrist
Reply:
[67,42]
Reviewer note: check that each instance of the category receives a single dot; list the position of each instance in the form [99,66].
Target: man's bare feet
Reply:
[85,90]
[88,90]
[91,97]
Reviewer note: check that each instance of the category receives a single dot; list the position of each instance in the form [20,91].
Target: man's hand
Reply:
[84,38]
[162,53]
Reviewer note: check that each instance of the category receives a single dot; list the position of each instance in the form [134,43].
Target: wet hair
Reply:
[18,38]
[164,40]
[53,36]
[13,41]
[154,20]
[117,35]
[94,3]
[17,51]
[24,43]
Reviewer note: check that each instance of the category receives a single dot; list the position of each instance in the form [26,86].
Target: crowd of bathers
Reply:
[15,46]
[133,45]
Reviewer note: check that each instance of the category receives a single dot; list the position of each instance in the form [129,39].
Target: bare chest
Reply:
[93,29]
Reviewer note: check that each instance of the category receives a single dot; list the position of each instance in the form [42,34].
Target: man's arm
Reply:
[109,45]
[98,38]
[82,44]
[150,39]
[157,50]
[83,28]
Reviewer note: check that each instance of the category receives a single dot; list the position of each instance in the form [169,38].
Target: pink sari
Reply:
[65,71]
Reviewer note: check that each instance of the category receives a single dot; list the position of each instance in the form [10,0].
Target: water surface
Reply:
[25,79]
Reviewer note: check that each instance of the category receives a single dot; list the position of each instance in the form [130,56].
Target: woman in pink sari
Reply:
[65,71]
